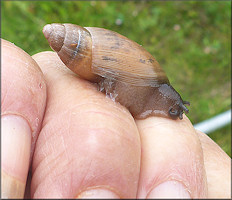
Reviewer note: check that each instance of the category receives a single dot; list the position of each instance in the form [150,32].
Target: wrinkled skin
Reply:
[84,141]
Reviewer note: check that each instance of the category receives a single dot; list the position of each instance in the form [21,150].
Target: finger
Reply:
[218,168]
[89,146]
[23,100]
[172,161]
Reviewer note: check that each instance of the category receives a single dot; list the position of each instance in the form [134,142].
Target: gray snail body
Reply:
[124,70]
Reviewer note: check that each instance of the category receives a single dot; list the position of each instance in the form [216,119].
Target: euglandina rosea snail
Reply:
[123,69]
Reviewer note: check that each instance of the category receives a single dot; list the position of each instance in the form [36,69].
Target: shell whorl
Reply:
[73,45]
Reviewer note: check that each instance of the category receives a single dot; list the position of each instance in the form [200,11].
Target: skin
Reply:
[84,140]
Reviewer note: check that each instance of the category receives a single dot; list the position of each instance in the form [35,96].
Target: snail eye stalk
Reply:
[186,102]
[184,108]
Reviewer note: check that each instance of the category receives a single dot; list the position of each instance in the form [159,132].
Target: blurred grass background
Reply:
[191,41]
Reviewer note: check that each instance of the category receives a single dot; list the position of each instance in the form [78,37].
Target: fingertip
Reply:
[45,56]
[171,151]
[23,86]
[50,63]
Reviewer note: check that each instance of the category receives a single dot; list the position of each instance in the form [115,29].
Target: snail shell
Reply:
[124,70]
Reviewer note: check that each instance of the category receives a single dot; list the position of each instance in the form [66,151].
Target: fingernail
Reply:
[11,187]
[16,146]
[169,189]
[98,193]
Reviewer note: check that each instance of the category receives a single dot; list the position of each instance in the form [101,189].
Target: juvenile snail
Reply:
[123,69]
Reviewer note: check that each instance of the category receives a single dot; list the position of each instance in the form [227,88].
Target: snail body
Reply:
[124,70]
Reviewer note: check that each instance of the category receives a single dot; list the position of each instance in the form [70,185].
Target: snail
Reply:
[123,69]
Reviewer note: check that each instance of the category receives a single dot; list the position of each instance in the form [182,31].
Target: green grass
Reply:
[191,40]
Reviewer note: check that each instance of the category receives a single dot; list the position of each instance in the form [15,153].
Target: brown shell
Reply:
[116,56]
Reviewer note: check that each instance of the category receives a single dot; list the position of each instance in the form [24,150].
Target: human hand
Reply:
[90,146]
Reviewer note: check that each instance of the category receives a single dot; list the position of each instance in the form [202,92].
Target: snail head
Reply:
[172,103]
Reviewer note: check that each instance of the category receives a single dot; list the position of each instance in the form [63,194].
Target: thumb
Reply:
[23,97]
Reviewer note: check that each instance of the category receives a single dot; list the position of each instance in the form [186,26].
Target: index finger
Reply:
[89,146]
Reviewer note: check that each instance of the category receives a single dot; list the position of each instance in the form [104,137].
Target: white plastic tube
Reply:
[214,123]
